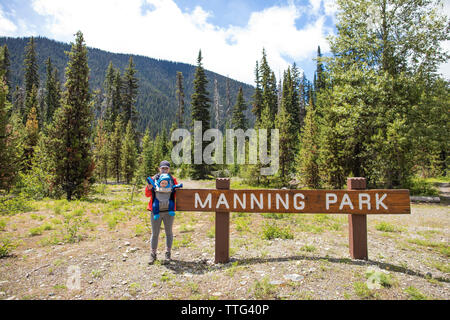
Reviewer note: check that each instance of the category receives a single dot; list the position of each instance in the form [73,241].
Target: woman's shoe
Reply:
[168,259]
[152,258]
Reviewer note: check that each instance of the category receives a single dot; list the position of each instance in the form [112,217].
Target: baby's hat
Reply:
[166,177]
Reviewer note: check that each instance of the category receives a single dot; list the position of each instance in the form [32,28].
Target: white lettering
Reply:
[199,201]
[279,199]
[362,201]
[253,199]
[242,203]
[302,203]
[330,198]
[222,200]
[379,201]
[346,202]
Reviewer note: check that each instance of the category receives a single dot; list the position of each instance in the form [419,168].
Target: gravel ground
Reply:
[409,251]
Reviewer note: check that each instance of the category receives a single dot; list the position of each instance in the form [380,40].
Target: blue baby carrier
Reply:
[163,194]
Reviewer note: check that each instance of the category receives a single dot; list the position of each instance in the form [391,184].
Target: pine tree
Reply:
[164,142]
[216,105]
[227,108]
[200,106]
[6,159]
[116,97]
[70,136]
[108,87]
[101,152]
[128,154]
[148,156]
[286,152]
[115,149]
[307,160]
[287,122]
[239,121]
[5,65]
[32,135]
[31,73]
[180,100]
[53,92]
[19,101]
[129,95]
[269,88]
[31,67]
[257,96]
[319,83]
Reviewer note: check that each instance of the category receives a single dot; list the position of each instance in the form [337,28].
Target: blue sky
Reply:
[231,34]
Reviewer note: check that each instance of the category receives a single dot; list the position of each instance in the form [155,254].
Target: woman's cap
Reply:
[164,163]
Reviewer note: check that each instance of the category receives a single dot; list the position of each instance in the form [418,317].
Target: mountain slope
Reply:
[156,103]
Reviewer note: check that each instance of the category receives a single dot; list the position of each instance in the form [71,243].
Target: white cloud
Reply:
[166,32]
[7,27]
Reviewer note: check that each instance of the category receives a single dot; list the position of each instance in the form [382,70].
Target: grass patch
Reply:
[387,227]
[185,242]
[37,231]
[415,294]
[272,231]
[139,230]
[165,277]
[211,232]
[444,267]
[441,247]
[96,274]
[14,204]
[6,246]
[274,215]
[2,225]
[186,228]
[263,290]
[50,241]
[308,248]
[242,224]
[362,290]
[37,217]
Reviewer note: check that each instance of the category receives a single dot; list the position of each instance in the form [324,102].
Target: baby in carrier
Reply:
[163,194]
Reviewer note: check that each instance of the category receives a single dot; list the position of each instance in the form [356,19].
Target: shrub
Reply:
[100,189]
[35,231]
[421,187]
[14,204]
[272,231]
[6,245]
[72,226]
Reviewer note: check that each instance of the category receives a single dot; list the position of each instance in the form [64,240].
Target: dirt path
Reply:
[444,192]
[110,262]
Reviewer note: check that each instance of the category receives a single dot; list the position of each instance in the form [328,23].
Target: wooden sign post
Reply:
[357,225]
[222,227]
[357,202]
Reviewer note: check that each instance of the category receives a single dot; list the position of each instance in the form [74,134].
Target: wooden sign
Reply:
[295,201]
